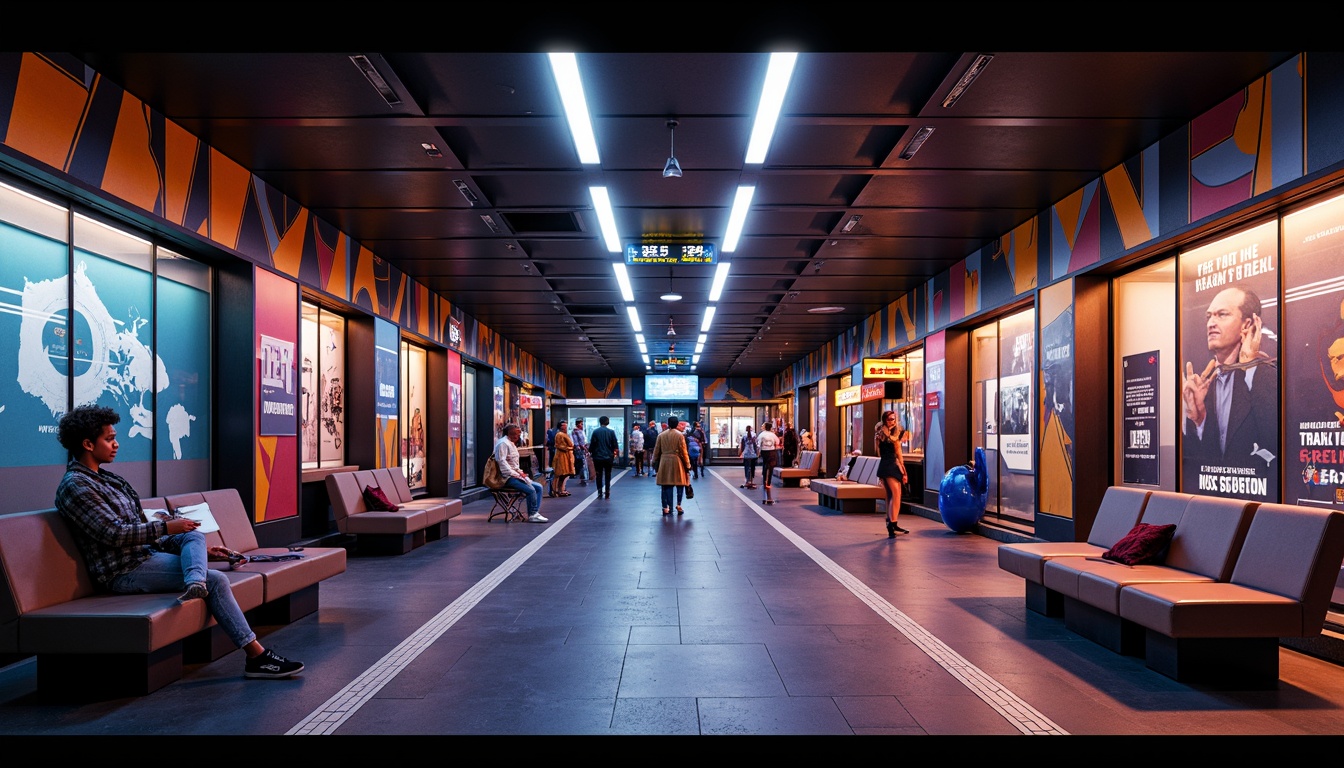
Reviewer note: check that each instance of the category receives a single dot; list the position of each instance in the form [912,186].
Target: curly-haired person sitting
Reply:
[127,554]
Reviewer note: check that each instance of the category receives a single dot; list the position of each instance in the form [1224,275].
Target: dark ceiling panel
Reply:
[1032,130]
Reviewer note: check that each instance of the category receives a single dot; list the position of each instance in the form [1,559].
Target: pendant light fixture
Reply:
[671,295]
[672,170]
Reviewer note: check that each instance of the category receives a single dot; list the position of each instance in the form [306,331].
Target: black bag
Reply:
[690,491]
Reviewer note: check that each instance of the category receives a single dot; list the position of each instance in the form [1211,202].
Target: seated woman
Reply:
[127,554]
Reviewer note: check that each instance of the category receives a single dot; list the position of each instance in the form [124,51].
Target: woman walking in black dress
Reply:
[890,467]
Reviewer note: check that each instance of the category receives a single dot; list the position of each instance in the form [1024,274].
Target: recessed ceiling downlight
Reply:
[826,310]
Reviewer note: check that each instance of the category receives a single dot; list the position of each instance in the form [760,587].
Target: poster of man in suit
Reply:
[1230,379]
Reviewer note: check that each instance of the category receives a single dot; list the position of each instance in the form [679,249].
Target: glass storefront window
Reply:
[322,387]
[1145,410]
[1003,361]
[470,477]
[414,412]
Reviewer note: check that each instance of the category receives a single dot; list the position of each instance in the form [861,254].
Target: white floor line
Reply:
[327,718]
[1017,712]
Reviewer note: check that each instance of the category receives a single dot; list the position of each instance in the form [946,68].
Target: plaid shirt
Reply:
[104,513]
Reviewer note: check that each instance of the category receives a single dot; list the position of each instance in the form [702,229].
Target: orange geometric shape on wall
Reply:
[288,254]
[229,186]
[132,171]
[264,466]
[48,112]
[180,150]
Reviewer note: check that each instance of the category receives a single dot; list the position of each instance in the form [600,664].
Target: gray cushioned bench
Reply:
[91,644]
[382,532]
[859,492]
[809,464]
[1237,578]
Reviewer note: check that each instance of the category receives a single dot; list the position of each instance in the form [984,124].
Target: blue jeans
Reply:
[667,494]
[166,572]
[529,488]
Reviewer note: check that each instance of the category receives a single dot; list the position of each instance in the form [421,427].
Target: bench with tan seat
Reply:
[90,644]
[1229,630]
[414,522]
[859,492]
[1208,537]
[809,464]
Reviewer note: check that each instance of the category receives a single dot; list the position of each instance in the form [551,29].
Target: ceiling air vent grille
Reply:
[544,221]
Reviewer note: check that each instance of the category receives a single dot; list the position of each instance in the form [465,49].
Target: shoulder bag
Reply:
[493,479]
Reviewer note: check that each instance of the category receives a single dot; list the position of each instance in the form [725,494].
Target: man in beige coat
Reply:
[672,462]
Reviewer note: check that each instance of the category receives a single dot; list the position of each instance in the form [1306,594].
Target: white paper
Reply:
[200,513]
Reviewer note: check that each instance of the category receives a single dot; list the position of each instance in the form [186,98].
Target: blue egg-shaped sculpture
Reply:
[963,493]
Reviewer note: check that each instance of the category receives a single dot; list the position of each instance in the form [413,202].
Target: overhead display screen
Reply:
[667,387]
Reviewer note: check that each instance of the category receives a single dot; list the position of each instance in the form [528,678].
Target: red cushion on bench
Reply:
[377,500]
[1145,544]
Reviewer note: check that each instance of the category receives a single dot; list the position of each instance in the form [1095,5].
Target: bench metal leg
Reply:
[101,676]
[1233,662]
[287,609]
[1103,627]
[1046,602]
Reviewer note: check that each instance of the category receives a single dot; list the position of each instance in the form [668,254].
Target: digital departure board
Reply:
[671,253]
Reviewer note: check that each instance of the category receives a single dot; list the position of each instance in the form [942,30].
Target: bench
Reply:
[1120,509]
[859,492]
[809,465]
[91,644]
[508,503]
[1208,537]
[1238,576]
[414,522]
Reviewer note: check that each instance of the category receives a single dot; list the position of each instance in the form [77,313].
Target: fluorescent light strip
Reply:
[703,338]
[720,277]
[623,279]
[709,318]
[639,337]
[772,99]
[736,218]
[695,360]
[643,348]
[699,347]
[565,66]
[606,218]
[634,319]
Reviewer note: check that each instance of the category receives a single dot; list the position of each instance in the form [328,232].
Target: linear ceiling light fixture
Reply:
[376,79]
[606,218]
[852,223]
[634,319]
[565,66]
[720,278]
[912,146]
[973,71]
[777,78]
[623,279]
[709,318]
[737,217]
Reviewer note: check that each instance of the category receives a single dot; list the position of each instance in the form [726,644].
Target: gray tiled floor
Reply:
[624,622]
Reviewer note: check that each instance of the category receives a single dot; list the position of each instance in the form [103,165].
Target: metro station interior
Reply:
[282,267]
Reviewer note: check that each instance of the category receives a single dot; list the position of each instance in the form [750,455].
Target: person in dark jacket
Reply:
[790,453]
[604,447]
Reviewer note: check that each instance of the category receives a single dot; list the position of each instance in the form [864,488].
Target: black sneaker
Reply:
[271,664]
[196,590]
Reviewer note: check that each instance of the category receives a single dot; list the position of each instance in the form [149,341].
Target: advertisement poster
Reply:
[1142,414]
[1018,355]
[1057,375]
[387,379]
[1313,357]
[454,395]
[1229,353]
[279,393]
